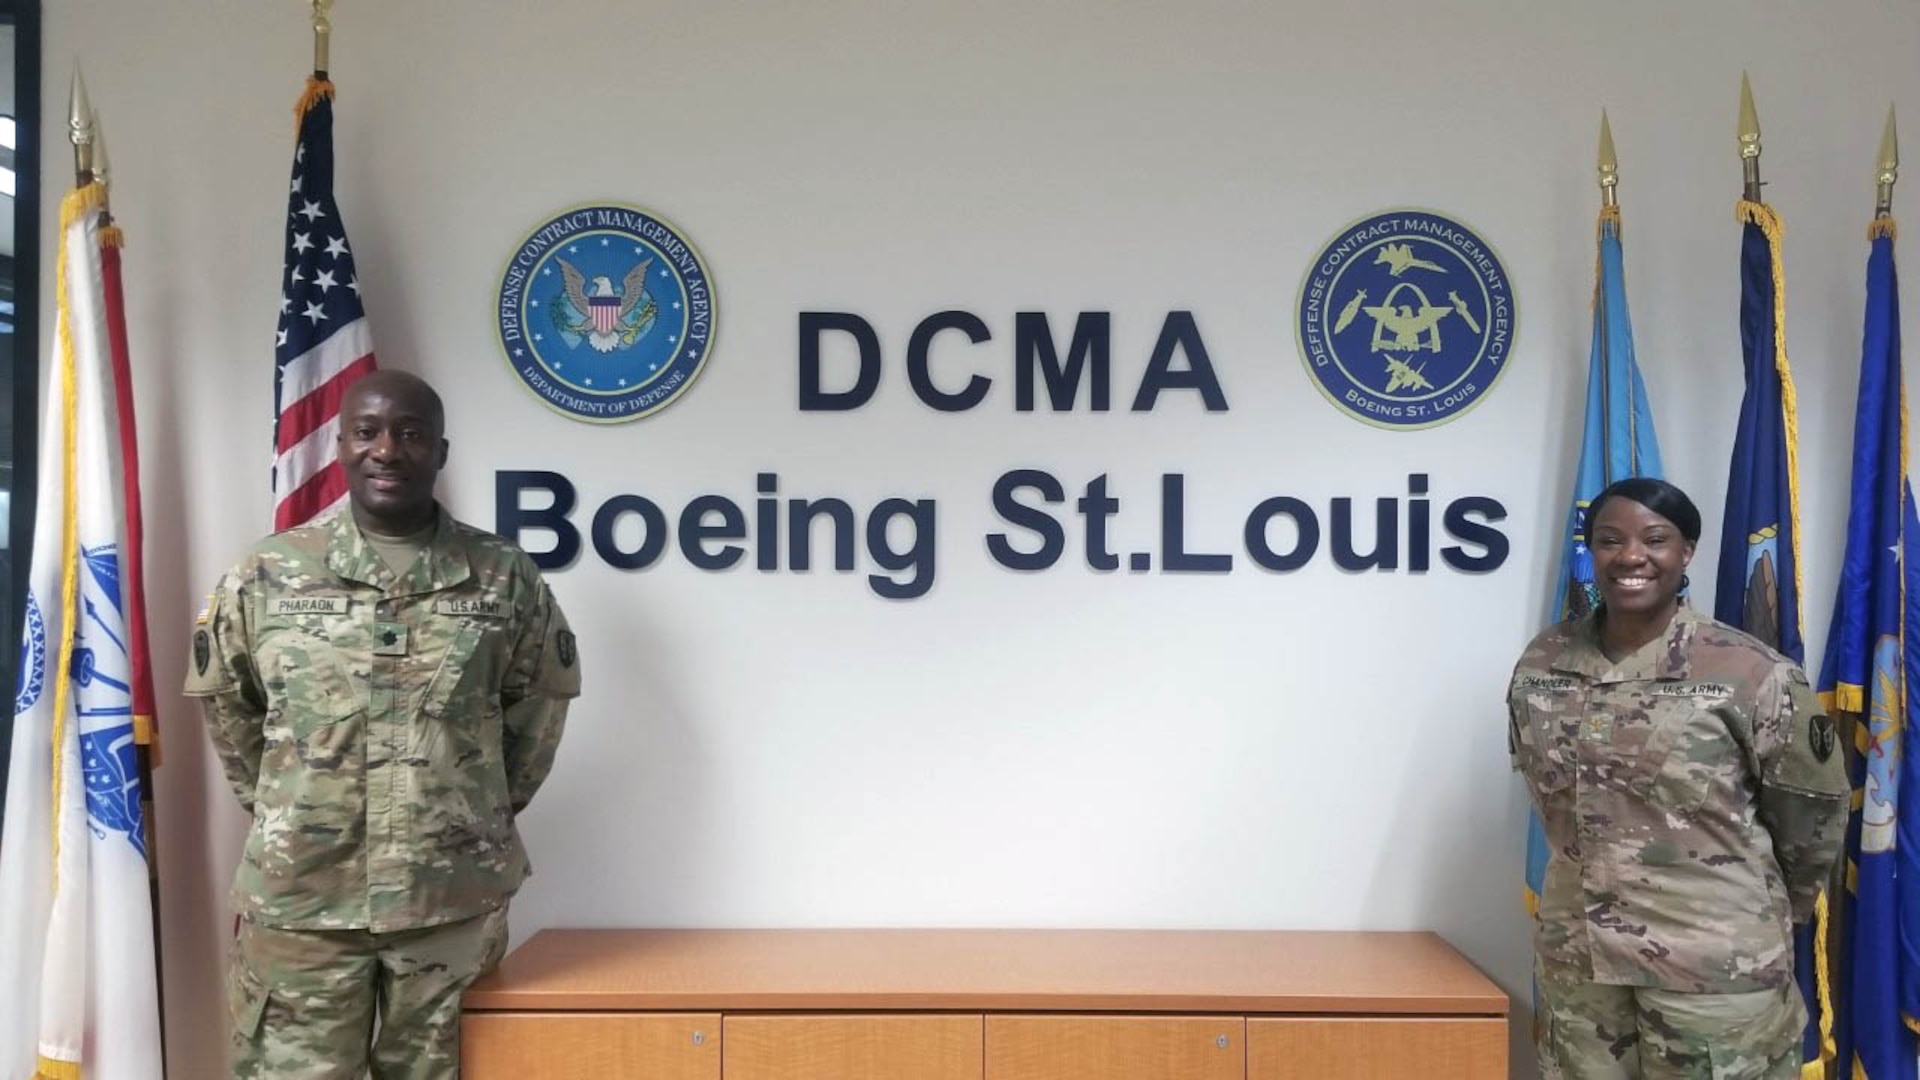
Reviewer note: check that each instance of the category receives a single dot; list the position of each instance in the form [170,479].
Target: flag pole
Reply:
[80,131]
[109,232]
[1886,171]
[1609,164]
[1749,136]
[1609,168]
[322,37]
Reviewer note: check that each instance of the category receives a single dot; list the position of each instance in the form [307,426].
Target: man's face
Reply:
[391,450]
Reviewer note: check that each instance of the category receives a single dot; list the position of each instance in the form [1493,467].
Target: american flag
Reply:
[323,343]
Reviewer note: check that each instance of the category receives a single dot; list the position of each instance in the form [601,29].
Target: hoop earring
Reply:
[1684,582]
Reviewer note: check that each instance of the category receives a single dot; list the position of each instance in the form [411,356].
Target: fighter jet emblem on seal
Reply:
[1400,259]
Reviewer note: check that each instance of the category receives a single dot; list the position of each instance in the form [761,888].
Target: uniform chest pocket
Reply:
[467,673]
[1688,750]
[306,677]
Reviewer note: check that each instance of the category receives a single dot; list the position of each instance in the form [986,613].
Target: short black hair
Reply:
[1656,495]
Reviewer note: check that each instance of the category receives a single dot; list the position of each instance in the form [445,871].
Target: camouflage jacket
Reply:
[383,731]
[1693,798]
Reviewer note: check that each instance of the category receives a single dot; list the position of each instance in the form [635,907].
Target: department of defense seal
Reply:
[606,313]
[1406,319]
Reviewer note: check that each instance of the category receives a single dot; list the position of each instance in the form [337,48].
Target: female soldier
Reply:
[1694,801]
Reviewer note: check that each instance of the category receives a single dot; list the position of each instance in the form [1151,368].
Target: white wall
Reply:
[1309,750]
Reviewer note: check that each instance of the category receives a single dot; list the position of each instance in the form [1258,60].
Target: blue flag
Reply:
[1759,586]
[1759,578]
[1865,676]
[1619,442]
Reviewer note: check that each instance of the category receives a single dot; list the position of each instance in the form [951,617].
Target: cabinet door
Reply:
[852,1047]
[1376,1048]
[1067,1047]
[606,1046]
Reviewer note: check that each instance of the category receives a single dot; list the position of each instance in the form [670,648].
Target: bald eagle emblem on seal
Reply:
[608,318]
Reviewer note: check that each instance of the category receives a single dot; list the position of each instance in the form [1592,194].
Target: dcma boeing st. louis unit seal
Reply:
[1406,319]
[606,313]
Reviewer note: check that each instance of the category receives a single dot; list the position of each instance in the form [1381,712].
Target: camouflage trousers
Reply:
[1593,1032]
[344,1004]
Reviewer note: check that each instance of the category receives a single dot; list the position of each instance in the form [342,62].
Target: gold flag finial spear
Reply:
[1749,140]
[1887,169]
[1609,164]
[80,131]
[322,36]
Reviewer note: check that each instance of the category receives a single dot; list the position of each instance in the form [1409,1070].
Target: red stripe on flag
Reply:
[132,559]
[318,493]
[321,404]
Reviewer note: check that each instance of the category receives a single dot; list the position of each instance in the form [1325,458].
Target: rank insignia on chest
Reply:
[390,639]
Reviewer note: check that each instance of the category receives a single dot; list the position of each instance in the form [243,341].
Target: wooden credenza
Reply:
[983,1005]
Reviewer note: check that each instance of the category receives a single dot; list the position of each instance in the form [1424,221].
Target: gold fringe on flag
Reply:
[73,209]
[1609,214]
[49,1069]
[316,90]
[1822,968]
[77,204]
[1882,226]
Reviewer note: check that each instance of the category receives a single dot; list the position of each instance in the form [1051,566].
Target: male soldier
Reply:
[386,689]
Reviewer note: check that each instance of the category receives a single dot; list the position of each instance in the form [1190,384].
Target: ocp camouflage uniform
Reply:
[383,731]
[1694,801]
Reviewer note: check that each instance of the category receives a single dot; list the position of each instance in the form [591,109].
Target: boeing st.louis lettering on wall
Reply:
[606,312]
[1406,319]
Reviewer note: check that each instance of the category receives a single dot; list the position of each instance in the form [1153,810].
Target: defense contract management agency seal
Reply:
[1406,319]
[606,312]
